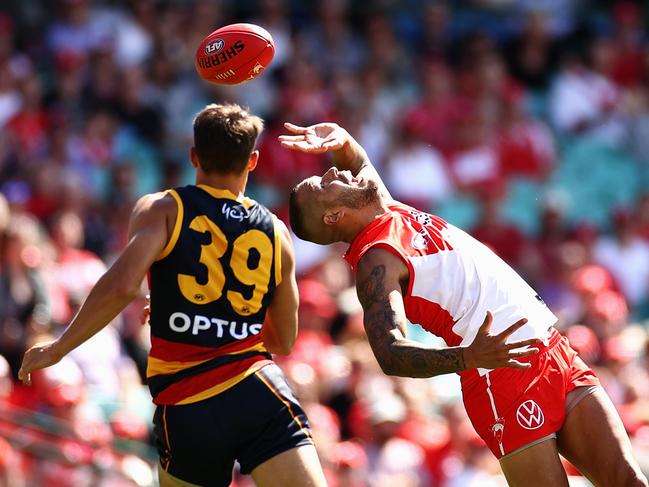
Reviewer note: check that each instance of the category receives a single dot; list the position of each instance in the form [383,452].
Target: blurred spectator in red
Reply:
[641,216]
[30,125]
[351,465]
[435,114]
[526,146]
[11,474]
[475,163]
[585,342]
[631,40]
[502,237]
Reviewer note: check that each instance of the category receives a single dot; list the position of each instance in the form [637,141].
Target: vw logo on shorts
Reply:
[529,415]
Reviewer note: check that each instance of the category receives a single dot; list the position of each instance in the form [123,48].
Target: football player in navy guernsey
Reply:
[223,298]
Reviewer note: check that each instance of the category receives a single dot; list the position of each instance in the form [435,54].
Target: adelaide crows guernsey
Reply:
[210,288]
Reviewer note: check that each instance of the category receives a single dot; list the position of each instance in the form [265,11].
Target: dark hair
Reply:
[296,216]
[224,137]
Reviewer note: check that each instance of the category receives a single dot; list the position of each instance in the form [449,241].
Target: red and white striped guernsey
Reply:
[454,279]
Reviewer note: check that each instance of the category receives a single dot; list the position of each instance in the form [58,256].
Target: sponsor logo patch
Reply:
[529,415]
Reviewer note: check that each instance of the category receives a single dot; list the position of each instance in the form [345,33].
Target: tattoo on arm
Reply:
[399,356]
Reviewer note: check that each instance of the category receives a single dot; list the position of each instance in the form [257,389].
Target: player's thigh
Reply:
[298,467]
[536,466]
[168,480]
[594,440]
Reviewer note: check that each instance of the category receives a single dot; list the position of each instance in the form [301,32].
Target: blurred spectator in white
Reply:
[626,256]
[77,29]
[392,460]
[5,216]
[273,15]
[560,13]
[129,34]
[377,107]
[10,99]
[584,101]
[76,270]
[410,157]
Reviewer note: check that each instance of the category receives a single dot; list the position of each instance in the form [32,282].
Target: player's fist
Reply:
[489,351]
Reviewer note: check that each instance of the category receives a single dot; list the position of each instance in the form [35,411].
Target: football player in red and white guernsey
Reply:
[528,404]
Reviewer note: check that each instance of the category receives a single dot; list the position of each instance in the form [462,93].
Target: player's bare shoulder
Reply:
[156,206]
[379,264]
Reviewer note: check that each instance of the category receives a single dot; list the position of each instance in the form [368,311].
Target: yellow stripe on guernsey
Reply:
[176,231]
[224,193]
[156,366]
[278,252]
[219,388]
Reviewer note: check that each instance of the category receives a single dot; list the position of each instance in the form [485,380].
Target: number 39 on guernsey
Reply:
[258,277]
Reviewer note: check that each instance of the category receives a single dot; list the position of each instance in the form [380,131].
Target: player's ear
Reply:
[193,157]
[333,217]
[252,162]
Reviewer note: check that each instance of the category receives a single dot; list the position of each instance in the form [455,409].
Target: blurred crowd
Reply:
[524,122]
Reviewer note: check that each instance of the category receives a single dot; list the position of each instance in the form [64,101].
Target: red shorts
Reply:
[511,408]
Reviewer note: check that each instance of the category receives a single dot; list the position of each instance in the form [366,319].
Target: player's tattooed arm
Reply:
[379,281]
[378,286]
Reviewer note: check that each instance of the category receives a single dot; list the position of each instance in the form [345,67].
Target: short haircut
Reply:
[224,138]
[296,215]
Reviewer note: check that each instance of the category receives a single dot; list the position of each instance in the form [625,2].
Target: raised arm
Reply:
[280,328]
[347,153]
[379,286]
[148,235]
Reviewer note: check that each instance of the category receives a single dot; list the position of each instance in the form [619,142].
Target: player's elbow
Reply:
[387,363]
[281,349]
[126,290]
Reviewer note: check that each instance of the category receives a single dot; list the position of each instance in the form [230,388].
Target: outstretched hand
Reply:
[315,139]
[491,351]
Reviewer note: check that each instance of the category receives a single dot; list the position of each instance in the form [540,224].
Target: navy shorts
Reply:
[251,422]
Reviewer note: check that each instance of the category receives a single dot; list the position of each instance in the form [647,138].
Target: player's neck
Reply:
[361,218]
[235,183]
